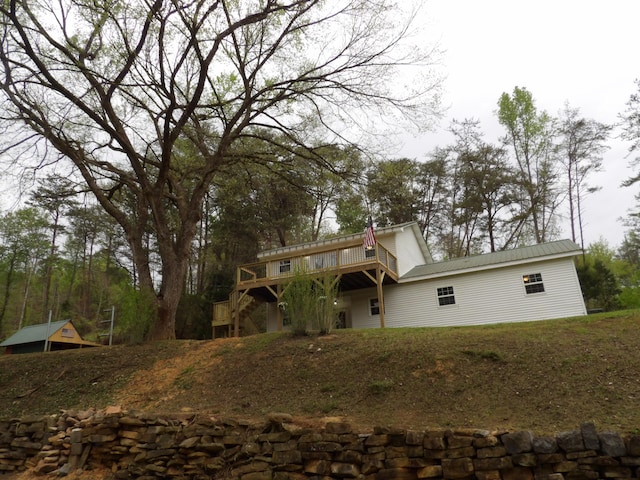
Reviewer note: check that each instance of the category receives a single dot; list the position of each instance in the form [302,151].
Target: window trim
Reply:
[285,266]
[372,306]
[446,296]
[533,283]
[67,333]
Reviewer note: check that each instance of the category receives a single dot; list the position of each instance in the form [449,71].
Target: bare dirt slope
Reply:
[542,376]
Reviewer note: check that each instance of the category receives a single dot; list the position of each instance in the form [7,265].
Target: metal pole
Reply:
[113,316]
[46,338]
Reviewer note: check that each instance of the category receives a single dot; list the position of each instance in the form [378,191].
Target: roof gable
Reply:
[34,333]
[542,251]
[345,240]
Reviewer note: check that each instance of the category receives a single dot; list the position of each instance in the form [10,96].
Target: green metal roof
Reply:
[34,333]
[542,251]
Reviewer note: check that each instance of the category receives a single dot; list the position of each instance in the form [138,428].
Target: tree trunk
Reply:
[7,288]
[167,300]
[50,259]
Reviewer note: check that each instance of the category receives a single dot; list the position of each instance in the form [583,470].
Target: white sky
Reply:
[582,52]
[585,52]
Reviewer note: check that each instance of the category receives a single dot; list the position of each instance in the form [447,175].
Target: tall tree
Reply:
[582,142]
[530,136]
[86,225]
[22,235]
[351,208]
[391,188]
[55,196]
[433,192]
[327,185]
[490,191]
[112,86]
[489,183]
[631,129]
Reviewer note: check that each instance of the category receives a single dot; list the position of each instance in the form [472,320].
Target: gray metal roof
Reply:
[34,333]
[557,249]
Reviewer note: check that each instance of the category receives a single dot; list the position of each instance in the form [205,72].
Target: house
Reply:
[397,283]
[60,335]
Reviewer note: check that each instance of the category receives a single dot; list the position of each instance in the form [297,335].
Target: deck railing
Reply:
[328,260]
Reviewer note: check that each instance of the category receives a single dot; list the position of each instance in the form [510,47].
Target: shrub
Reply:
[309,302]
[299,302]
[327,295]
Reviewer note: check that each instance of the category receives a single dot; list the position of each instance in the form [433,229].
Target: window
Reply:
[370,253]
[285,266]
[446,296]
[374,306]
[533,283]
[67,333]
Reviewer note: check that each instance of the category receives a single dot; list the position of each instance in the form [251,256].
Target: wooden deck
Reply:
[263,281]
[336,261]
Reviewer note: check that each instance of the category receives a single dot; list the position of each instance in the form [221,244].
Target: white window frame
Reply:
[285,266]
[445,294]
[533,283]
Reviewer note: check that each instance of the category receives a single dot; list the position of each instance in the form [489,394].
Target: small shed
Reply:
[60,335]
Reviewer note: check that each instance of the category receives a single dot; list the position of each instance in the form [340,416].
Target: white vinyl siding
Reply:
[360,317]
[490,296]
[491,293]
[446,296]
[407,251]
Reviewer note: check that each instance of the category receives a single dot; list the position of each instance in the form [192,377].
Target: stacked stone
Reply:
[149,447]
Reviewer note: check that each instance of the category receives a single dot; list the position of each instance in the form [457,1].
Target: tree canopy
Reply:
[108,92]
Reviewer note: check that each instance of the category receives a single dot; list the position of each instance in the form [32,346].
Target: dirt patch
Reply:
[543,376]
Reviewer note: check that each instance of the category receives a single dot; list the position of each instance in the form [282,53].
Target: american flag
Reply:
[369,237]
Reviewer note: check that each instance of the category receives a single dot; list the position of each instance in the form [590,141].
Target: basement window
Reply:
[446,296]
[533,283]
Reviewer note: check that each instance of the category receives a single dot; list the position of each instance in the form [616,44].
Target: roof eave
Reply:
[492,266]
[343,240]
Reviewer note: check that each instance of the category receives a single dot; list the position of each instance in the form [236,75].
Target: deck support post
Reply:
[236,314]
[278,309]
[379,279]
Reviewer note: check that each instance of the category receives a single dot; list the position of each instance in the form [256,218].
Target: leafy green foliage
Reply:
[599,285]
[193,319]
[299,300]
[631,127]
[530,136]
[136,316]
[326,288]
[309,302]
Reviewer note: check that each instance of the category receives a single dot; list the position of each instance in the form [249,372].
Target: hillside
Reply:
[543,376]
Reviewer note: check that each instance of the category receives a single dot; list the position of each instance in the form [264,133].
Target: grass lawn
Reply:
[543,376]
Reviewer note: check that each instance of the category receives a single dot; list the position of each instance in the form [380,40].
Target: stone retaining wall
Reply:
[146,446]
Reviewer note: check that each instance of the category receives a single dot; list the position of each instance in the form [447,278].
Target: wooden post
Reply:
[379,280]
[236,313]
[278,309]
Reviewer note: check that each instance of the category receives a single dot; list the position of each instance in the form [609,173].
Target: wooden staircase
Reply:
[224,313]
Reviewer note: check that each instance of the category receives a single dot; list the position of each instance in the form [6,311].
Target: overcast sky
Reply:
[583,52]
